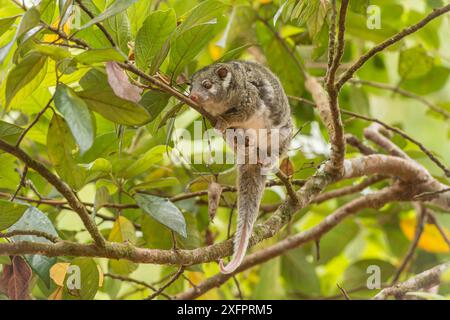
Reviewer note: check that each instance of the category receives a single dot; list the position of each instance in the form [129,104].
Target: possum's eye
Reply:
[206,84]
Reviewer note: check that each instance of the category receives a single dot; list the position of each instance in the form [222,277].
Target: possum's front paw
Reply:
[221,125]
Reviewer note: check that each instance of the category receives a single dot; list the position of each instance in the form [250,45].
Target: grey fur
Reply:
[250,96]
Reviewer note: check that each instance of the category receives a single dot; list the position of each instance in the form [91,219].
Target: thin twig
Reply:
[36,233]
[35,120]
[141,283]
[421,215]
[404,93]
[404,135]
[397,37]
[289,189]
[172,280]
[98,24]
[22,182]
[430,195]
[238,287]
[358,144]
[344,293]
[438,226]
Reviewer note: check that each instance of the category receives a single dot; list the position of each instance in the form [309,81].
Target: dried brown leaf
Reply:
[121,85]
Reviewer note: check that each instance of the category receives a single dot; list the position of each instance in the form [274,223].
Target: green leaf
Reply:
[10,213]
[95,79]
[356,26]
[157,184]
[65,10]
[318,18]
[334,242]
[192,240]
[98,168]
[47,10]
[156,236]
[137,13]
[117,7]
[5,260]
[145,162]
[100,55]
[154,102]
[162,210]
[54,52]
[357,274]
[203,13]
[151,38]
[233,54]
[77,116]
[119,28]
[94,36]
[9,179]
[359,101]
[414,63]
[283,65]
[177,286]
[61,146]
[89,280]
[122,231]
[268,286]
[433,81]
[359,6]
[9,132]
[187,45]
[30,19]
[299,275]
[101,198]
[34,219]
[22,74]
[115,109]
[6,23]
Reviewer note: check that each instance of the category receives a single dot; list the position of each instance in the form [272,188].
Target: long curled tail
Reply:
[250,185]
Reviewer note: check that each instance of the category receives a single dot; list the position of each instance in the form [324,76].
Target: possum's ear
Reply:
[222,72]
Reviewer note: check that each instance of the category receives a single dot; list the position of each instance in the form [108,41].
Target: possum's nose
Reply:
[194,97]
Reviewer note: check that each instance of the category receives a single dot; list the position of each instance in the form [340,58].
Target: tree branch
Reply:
[347,75]
[404,93]
[375,200]
[72,199]
[424,280]
[405,136]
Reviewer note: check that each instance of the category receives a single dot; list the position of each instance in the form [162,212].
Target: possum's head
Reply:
[211,87]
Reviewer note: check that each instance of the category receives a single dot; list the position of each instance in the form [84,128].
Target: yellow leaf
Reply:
[58,273]
[122,230]
[52,37]
[101,277]
[196,278]
[215,52]
[431,239]
[57,294]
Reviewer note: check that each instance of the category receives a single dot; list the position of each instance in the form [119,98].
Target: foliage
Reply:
[111,148]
